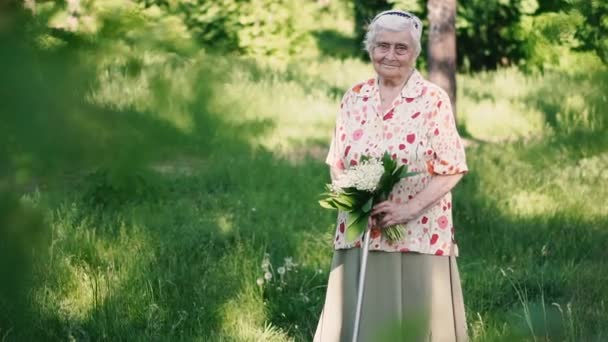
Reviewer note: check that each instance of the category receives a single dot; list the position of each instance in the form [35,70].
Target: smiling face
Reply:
[393,54]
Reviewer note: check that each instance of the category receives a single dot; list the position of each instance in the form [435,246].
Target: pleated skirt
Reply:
[407,297]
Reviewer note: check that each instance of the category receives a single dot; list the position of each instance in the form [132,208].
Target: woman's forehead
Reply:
[394,37]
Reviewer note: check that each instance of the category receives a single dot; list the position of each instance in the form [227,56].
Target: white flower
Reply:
[289,263]
[364,176]
[260,281]
[267,275]
[281,270]
[265,264]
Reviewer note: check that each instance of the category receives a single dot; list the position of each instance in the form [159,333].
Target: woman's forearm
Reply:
[435,190]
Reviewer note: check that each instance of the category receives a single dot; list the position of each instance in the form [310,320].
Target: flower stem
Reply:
[394,233]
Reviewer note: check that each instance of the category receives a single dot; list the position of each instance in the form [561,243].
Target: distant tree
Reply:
[442,45]
[594,35]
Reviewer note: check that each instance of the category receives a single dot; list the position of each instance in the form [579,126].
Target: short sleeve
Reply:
[334,156]
[448,156]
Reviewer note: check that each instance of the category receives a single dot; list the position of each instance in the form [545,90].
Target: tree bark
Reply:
[442,46]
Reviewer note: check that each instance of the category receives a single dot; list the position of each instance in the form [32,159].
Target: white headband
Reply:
[416,23]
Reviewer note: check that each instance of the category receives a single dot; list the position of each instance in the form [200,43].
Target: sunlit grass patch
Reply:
[493,107]
[527,203]
[499,120]
[531,207]
[93,267]
[297,105]
[174,252]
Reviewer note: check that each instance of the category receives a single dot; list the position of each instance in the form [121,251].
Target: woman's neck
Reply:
[395,82]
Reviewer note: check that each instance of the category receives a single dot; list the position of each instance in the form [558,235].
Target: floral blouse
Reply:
[419,131]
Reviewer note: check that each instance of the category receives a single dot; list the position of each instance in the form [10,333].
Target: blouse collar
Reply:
[414,87]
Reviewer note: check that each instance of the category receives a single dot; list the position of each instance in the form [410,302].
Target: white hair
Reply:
[394,21]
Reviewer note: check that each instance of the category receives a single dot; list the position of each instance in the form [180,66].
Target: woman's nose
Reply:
[391,52]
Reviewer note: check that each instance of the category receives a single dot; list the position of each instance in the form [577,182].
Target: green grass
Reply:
[172,247]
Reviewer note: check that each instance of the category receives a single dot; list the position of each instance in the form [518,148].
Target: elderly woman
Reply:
[412,287]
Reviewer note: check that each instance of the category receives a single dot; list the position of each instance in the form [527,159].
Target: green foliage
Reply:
[528,33]
[81,85]
[140,189]
[413,6]
[594,33]
[274,29]
[487,31]
[547,37]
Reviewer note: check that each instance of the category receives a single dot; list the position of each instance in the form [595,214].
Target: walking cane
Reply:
[361,283]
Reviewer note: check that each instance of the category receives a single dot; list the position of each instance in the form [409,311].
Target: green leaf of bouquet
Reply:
[350,190]
[385,186]
[360,202]
[327,204]
[356,227]
[399,171]
[389,163]
[351,218]
[367,207]
[409,174]
[386,157]
[342,206]
[347,198]
[346,201]
[404,173]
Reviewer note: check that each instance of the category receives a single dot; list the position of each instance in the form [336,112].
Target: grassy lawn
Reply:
[205,189]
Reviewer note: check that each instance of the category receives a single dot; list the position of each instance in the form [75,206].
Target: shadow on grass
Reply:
[515,267]
[569,108]
[135,254]
[195,247]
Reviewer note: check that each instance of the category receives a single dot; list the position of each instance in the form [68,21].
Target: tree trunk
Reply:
[442,46]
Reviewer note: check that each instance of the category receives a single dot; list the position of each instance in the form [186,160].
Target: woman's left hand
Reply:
[390,213]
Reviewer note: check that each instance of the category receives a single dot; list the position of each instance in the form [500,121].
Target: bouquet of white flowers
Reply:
[360,187]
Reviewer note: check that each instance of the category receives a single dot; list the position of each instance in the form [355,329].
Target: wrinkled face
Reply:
[393,54]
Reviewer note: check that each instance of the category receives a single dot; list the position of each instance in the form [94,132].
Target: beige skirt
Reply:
[407,297]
